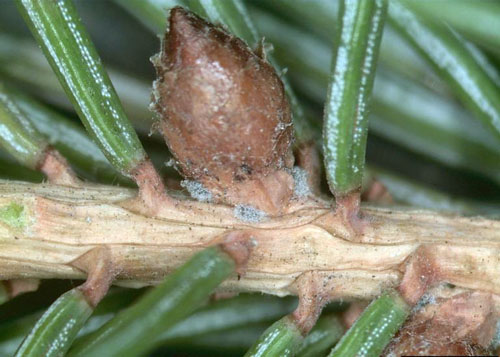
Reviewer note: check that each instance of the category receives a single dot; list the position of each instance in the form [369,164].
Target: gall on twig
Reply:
[224,115]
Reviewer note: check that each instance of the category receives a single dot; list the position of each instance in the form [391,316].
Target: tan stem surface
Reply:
[303,247]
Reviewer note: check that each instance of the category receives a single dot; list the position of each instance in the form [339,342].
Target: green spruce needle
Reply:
[69,139]
[54,333]
[463,15]
[376,326]
[349,92]
[71,53]
[22,62]
[227,314]
[12,332]
[281,339]
[18,136]
[134,331]
[324,335]
[456,62]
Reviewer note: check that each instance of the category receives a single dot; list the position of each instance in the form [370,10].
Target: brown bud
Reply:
[462,325]
[224,114]
[419,340]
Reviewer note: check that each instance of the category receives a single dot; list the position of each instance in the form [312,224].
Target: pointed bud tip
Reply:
[186,25]
[181,19]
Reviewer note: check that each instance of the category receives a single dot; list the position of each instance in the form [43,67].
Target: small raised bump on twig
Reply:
[57,169]
[98,264]
[17,287]
[348,210]
[312,299]
[421,271]
[152,194]
[238,245]
[346,221]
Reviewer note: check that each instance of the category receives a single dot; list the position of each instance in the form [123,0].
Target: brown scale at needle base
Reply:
[57,169]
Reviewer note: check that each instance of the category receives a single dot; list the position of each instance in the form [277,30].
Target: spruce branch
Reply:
[303,249]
